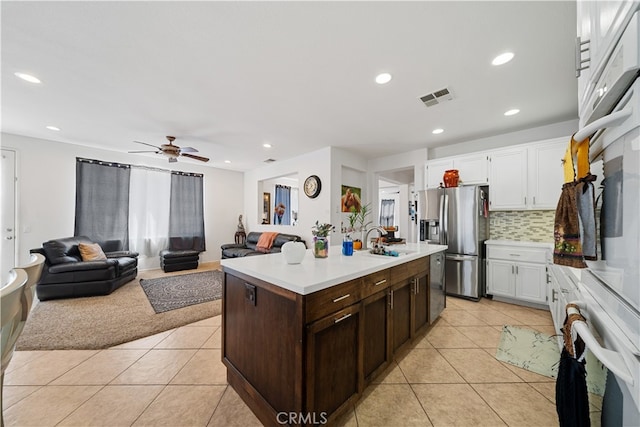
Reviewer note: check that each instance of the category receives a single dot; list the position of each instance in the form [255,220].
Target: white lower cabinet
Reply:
[517,271]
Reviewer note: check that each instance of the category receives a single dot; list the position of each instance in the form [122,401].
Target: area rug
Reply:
[530,350]
[104,321]
[538,352]
[173,292]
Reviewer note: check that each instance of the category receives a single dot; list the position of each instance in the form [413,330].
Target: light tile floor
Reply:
[449,376]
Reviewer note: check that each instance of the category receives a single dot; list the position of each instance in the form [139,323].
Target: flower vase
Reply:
[320,246]
[451,178]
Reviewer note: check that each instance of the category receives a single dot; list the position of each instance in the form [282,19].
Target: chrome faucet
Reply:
[380,230]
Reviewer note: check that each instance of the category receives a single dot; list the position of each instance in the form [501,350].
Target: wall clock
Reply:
[312,186]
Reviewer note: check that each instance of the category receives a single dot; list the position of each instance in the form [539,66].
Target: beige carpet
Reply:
[105,321]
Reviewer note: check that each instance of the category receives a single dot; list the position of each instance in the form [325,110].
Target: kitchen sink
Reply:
[389,252]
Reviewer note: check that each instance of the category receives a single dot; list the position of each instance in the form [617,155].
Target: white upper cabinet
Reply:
[546,173]
[472,169]
[528,177]
[434,170]
[508,179]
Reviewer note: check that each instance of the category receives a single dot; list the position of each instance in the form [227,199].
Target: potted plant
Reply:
[365,210]
[321,239]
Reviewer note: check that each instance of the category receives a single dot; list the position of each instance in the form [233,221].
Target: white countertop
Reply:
[546,245]
[315,274]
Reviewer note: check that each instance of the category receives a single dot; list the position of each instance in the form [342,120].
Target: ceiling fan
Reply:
[172,151]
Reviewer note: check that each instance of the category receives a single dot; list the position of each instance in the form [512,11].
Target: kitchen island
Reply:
[301,342]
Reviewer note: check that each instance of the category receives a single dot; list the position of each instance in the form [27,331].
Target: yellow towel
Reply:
[579,150]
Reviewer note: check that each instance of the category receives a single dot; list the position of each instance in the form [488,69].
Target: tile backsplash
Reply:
[531,226]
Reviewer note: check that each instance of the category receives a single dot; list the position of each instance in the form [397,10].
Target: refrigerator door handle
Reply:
[460,257]
[441,220]
[444,219]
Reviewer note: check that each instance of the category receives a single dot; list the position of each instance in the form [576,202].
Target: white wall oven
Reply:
[608,292]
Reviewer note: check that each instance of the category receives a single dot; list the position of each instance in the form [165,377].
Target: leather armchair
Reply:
[66,275]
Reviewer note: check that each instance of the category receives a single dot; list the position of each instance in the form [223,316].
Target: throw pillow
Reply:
[91,252]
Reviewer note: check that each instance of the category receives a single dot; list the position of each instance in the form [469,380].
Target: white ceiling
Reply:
[226,77]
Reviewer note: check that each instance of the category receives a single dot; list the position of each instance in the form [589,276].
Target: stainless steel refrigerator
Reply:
[462,218]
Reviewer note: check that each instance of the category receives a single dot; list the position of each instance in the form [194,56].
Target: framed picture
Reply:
[266,208]
[351,199]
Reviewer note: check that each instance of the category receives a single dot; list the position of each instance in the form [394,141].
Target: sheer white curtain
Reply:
[149,196]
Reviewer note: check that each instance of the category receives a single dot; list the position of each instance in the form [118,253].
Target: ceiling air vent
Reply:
[270,160]
[436,97]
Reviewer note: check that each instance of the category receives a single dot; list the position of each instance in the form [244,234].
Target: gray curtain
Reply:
[102,201]
[283,199]
[387,207]
[186,212]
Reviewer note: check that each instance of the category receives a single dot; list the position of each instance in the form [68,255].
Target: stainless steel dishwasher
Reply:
[437,295]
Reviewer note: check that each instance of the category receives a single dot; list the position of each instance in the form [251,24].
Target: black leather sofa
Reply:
[235,250]
[66,275]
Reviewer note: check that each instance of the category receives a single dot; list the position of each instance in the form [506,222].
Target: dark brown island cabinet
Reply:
[305,359]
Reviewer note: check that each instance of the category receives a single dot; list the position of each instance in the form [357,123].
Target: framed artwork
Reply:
[266,208]
[351,201]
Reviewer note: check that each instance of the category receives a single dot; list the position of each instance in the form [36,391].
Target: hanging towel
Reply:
[566,229]
[266,241]
[574,225]
[572,399]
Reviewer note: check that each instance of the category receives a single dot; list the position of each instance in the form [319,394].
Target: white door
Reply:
[472,169]
[500,278]
[434,171]
[8,234]
[531,282]
[508,179]
[546,174]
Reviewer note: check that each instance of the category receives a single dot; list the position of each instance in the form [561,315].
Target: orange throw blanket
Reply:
[266,241]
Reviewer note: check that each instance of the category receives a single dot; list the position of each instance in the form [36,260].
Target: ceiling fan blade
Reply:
[193,156]
[150,145]
[188,150]
[151,151]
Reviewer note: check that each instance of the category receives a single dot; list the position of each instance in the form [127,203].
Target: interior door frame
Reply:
[16,242]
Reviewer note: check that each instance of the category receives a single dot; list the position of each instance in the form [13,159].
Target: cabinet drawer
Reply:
[375,282]
[511,253]
[409,269]
[330,300]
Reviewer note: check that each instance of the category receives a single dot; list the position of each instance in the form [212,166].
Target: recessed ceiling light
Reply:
[437,131]
[383,78]
[53,128]
[512,112]
[227,161]
[266,145]
[28,77]
[503,58]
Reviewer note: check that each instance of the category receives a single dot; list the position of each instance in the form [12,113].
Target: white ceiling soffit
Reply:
[227,77]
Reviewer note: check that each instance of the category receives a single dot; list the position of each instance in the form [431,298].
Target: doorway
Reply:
[395,198]
[8,197]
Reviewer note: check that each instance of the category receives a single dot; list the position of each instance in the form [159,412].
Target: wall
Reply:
[47,184]
[415,159]
[310,210]
[532,226]
[541,133]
